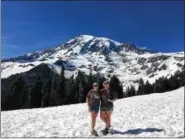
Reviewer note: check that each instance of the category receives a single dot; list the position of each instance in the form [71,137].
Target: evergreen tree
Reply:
[78,87]
[54,88]
[71,90]
[61,90]
[115,85]
[180,76]
[156,87]
[182,79]
[36,94]
[131,91]
[160,85]
[81,93]
[141,87]
[148,88]
[163,84]
[19,95]
[90,79]
[173,83]
[46,97]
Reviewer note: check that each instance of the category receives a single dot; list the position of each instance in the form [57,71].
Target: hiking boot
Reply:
[94,133]
[110,129]
[105,131]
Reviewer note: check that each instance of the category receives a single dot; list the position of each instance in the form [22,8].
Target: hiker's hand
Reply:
[111,100]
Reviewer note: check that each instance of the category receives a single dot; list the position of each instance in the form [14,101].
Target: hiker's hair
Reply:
[106,82]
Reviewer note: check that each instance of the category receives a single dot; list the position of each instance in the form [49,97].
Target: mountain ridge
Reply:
[102,55]
[79,38]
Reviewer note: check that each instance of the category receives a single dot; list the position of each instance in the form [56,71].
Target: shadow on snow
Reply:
[137,131]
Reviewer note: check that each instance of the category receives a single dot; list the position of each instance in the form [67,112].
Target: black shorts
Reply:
[94,108]
[110,108]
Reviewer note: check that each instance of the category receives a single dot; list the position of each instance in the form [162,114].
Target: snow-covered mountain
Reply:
[103,55]
[154,115]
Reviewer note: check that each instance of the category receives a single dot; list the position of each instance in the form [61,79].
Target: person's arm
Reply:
[87,100]
[114,97]
[112,100]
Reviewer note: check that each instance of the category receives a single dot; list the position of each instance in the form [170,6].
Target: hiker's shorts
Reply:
[106,108]
[94,109]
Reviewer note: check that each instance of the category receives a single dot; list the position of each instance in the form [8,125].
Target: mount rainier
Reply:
[105,56]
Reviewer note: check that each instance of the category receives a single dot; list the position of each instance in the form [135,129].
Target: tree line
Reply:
[160,85]
[59,90]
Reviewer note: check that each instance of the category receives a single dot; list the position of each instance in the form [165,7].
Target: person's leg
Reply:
[108,120]
[93,120]
[103,116]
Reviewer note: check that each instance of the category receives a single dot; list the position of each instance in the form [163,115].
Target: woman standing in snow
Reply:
[106,108]
[93,103]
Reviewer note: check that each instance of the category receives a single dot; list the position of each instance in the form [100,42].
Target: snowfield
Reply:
[154,115]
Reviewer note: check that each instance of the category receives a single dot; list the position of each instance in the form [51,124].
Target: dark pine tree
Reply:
[162,85]
[180,76]
[36,94]
[61,90]
[141,87]
[116,86]
[71,96]
[130,91]
[173,83]
[156,86]
[81,93]
[19,95]
[148,88]
[46,97]
[79,87]
[182,79]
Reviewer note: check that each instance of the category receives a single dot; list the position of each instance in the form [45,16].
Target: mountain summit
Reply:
[103,55]
[84,44]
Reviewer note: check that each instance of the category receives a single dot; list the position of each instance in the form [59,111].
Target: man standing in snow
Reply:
[106,108]
[93,103]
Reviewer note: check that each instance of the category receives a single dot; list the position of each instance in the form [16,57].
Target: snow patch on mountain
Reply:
[103,55]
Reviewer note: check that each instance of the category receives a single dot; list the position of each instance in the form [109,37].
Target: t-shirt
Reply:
[105,95]
[93,98]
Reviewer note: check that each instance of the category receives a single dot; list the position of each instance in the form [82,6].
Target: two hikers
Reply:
[103,99]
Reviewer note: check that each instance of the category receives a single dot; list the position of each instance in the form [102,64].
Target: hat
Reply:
[95,84]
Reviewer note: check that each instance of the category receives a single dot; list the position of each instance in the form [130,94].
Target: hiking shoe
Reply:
[110,128]
[94,133]
[105,131]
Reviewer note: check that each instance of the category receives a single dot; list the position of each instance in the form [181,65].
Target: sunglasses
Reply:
[95,85]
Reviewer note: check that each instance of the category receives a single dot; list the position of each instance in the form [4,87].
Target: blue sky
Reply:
[38,25]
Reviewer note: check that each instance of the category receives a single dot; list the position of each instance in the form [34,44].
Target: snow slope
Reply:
[154,115]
